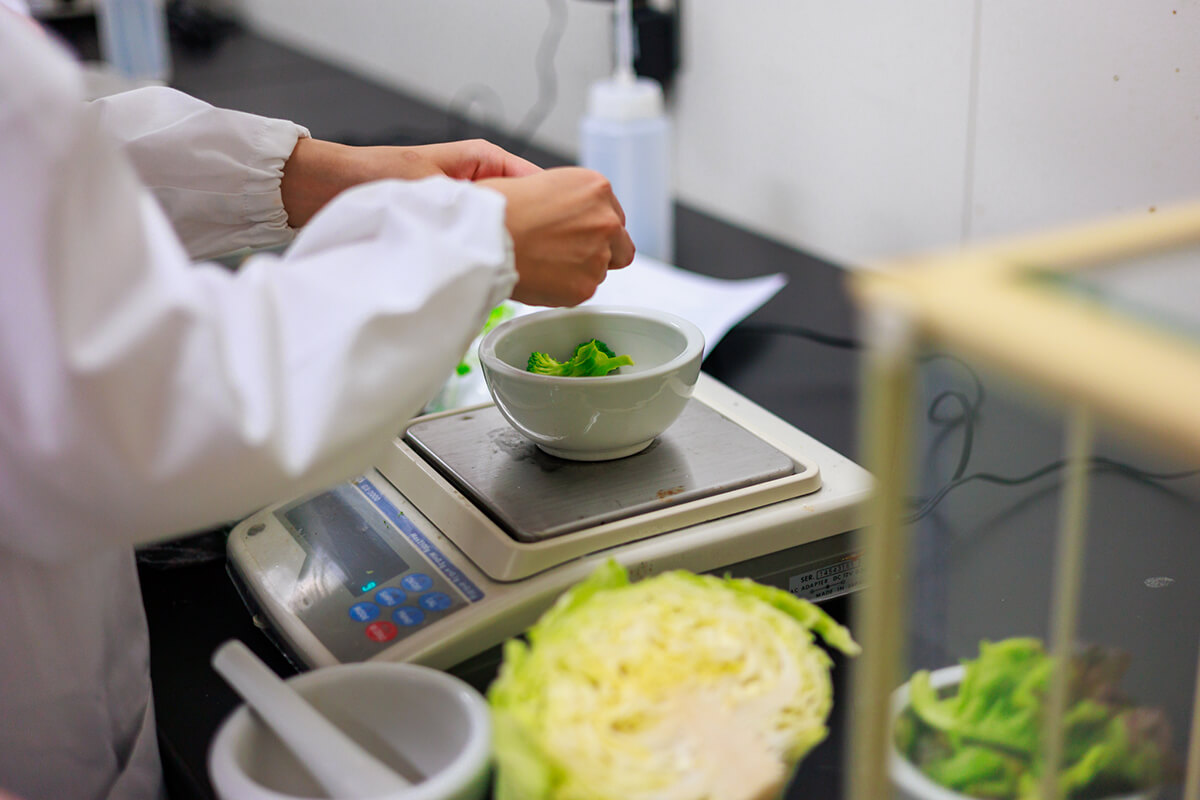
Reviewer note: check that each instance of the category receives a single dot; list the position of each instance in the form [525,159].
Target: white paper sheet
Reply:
[712,304]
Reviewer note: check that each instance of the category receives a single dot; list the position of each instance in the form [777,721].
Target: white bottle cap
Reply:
[623,99]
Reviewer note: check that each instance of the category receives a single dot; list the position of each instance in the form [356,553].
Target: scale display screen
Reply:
[356,572]
[335,531]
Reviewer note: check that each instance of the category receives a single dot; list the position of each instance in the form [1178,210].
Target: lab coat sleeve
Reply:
[215,172]
[142,396]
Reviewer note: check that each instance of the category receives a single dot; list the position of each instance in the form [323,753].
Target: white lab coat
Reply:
[143,396]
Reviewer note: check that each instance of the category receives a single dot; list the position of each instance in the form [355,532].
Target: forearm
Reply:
[317,171]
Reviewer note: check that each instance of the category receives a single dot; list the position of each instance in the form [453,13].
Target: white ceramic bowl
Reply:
[436,722]
[601,418]
[910,782]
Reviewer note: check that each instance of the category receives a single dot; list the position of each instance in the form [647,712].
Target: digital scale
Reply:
[465,532]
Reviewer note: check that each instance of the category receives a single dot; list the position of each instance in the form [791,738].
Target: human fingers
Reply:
[619,245]
[562,226]
[622,250]
[616,203]
[478,159]
[513,166]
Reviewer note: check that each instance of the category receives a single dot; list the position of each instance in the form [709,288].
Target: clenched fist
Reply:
[568,231]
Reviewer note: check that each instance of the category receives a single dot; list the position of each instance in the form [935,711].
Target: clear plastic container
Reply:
[133,39]
[627,138]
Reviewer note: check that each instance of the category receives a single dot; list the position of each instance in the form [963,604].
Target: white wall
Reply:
[855,130]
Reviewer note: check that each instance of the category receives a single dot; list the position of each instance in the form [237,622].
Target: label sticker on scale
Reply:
[828,579]
[370,576]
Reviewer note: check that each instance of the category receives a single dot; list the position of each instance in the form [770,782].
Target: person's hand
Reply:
[568,231]
[317,170]
[472,160]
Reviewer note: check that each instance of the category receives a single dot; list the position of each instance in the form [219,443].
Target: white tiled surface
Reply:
[854,130]
[839,127]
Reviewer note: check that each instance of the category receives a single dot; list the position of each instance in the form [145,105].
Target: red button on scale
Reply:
[382,631]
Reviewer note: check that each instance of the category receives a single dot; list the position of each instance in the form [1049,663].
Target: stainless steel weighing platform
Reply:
[534,496]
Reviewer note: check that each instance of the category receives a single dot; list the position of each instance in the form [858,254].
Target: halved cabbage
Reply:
[677,687]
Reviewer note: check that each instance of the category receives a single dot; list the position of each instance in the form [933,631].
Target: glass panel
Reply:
[1162,288]
[989,472]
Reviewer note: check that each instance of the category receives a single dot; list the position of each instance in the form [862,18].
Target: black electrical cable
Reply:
[1095,464]
[967,419]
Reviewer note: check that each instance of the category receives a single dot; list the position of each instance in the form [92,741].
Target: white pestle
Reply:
[337,762]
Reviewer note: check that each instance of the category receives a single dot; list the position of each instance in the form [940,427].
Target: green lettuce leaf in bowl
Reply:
[677,687]
[591,359]
[981,735]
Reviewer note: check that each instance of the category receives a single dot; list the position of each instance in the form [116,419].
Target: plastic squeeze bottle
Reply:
[626,137]
[133,38]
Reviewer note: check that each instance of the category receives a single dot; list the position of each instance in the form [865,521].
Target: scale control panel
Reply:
[369,577]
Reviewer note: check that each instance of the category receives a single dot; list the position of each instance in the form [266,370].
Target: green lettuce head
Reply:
[983,738]
[675,687]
